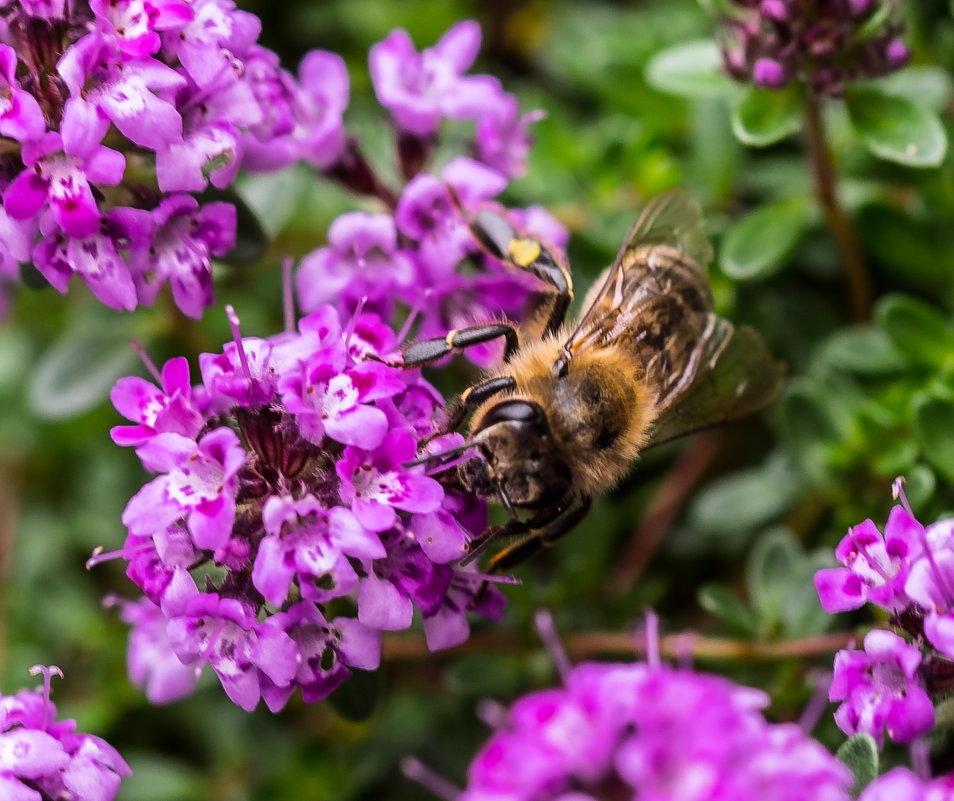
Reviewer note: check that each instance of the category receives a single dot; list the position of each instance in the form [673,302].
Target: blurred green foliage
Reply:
[864,401]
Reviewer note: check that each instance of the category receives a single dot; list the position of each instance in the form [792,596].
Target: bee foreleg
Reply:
[470,399]
[430,350]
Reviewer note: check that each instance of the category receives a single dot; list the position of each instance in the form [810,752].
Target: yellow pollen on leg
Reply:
[523,251]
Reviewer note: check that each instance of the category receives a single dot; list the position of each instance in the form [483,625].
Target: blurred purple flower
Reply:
[901,783]
[362,260]
[44,758]
[650,732]
[880,689]
[420,89]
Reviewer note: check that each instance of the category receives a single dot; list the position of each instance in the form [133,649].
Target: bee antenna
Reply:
[436,458]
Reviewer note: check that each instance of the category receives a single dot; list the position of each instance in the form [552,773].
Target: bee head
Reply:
[521,458]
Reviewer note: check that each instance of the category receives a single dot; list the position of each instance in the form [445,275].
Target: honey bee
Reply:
[571,407]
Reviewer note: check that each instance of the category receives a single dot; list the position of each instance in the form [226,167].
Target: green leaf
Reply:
[758,245]
[906,247]
[764,116]
[691,69]
[78,371]
[719,600]
[780,586]
[860,755]
[934,428]
[917,329]
[931,85]
[746,500]
[895,129]
[863,349]
[357,698]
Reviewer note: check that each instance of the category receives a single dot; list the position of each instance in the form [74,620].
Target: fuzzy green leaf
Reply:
[691,69]
[765,116]
[758,245]
[860,755]
[932,426]
[895,129]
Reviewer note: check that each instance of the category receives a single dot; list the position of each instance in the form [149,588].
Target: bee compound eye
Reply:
[514,411]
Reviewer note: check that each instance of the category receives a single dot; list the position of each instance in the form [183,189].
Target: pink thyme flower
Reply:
[880,689]
[41,757]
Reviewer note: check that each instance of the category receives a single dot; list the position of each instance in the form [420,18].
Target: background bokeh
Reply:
[719,533]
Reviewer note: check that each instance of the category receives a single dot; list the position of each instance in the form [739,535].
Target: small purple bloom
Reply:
[156,410]
[126,91]
[362,260]
[880,689]
[503,139]
[314,545]
[200,482]
[242,652]
[151,662]
[377,485]
[178,242]
[876,566]
[20,114]
[41,757]
[61,179]
[420,89]
[328,652]
[134,24]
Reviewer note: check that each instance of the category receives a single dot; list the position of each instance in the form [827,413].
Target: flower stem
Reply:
[846,237]
[404,647]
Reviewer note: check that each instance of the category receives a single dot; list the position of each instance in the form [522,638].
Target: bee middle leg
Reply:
[430,350]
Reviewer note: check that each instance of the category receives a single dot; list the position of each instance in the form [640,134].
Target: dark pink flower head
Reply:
[41,757]
[420,89]
[827,44]
[881,690]
[284,487]
[876,566]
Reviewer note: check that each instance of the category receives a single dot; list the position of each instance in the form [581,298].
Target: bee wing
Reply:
[732,374]
[671,221]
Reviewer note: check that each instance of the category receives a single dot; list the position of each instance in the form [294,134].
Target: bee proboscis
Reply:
[571,407]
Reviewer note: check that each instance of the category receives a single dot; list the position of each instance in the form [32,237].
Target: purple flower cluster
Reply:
[187,96]
[652,733]
[417,249]
[901,783]
[286,530]
[908,571]
[42,758]
[827,44]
